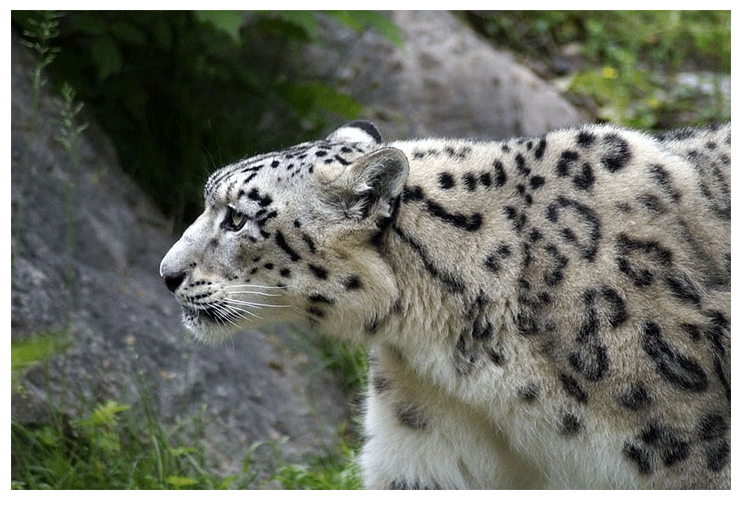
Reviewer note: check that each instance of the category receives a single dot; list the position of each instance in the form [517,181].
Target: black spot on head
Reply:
[536,182]
[320,298]
[485,179]
[309,242]
[501,177]
[446,180]
[282,244]
[274,164]
[285,272]
[320,153]
[470,181]
[352,283]
[540,149]
[521,166]
[319,272]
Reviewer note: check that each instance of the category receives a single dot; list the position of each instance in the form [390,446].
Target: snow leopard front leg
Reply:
[416,438]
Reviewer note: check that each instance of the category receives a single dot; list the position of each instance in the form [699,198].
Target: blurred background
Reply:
[119,117]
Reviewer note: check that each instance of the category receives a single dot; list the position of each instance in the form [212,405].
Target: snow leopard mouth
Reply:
[217,314]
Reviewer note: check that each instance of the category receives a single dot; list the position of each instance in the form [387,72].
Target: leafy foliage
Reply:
[183,92]
[110,449]
[625,60]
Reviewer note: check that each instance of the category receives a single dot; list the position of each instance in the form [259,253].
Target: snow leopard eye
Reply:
[234,220]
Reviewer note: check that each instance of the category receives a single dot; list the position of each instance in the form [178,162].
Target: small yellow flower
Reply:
[609,72]
[653,102]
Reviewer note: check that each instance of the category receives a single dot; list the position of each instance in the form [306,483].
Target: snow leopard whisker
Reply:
[253,292]
[233,301]
[237,311]
[237,285]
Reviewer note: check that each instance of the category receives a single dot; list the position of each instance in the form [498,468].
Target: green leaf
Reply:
[105,414]
[106,55]
[228,22]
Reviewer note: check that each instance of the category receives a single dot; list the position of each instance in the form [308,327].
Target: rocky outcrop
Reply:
[86,250]
[446,81]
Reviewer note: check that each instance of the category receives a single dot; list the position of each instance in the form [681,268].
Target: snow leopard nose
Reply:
[173,281]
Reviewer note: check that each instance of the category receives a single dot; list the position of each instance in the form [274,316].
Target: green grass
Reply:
[116,446]
[115,449]
[327,473]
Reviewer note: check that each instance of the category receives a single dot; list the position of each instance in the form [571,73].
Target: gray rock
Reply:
[86,250]
[445,81]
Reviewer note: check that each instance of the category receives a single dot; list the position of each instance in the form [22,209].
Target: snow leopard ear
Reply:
[370,186]
[357,131]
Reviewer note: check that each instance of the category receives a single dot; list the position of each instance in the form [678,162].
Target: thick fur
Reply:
[547,312]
